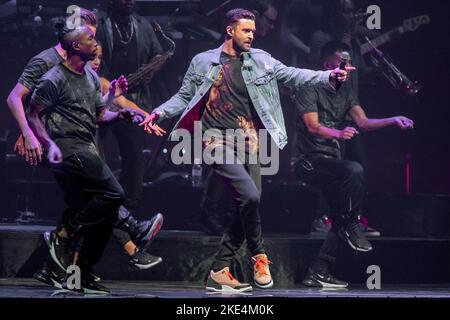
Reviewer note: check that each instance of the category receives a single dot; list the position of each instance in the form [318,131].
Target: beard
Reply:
[241,46]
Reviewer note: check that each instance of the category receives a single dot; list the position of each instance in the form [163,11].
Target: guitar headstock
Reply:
[412,24]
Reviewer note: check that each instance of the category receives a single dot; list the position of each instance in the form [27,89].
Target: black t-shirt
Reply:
[124,59]
[71,103]
[37,67]
[332,107]
[228,105]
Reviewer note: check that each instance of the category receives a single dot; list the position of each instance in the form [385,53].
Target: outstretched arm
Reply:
[292,76]
[115,96]
[131,115]
[174,105]
[359,116]
[180,100]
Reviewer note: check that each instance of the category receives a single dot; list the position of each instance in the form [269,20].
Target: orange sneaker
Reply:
[223,281]
[261,272]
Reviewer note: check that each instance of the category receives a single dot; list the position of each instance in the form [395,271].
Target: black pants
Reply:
[216,201]
[341,182]
[92,195]
[121,232]
[130,139]
[244,185]
[353,149]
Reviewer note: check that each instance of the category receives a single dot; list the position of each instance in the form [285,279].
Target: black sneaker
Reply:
[52,277]
[61,275]
[317,280]
[93,287]
[146,231]
[352,234]
[88,286]
[60,250]
[142,260]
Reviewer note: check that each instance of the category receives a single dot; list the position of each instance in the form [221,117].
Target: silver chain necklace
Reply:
[121,36]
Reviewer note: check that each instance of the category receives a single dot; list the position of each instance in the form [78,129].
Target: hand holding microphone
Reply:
[342,73]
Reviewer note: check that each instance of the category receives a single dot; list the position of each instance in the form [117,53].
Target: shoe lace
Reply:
[261,263]
[228,273]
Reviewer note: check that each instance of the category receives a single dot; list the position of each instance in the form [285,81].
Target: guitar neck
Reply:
[380,40]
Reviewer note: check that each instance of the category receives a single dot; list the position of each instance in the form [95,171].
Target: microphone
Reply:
[345,59]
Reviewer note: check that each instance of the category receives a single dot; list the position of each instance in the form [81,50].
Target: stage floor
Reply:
[30,288]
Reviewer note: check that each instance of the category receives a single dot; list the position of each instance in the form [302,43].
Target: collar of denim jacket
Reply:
[218,51]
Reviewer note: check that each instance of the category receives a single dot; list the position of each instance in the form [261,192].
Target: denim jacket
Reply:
[261,73]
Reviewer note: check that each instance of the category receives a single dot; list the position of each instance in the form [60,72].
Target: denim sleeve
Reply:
[180,100]
[291,76]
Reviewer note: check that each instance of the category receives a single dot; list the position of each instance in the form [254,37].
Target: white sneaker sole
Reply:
[93,292]
[147,266]
[328,285]
[229,289]
[264,286]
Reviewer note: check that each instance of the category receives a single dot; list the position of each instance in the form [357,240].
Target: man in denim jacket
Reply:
[235,87]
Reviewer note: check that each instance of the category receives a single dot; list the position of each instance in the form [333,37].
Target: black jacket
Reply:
[147,47]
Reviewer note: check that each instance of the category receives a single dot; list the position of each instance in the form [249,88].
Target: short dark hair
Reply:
[88,17]
[67,36]
[64,36]
[234,15]
[331,48]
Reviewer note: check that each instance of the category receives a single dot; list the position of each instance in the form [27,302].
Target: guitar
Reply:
[411,24]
